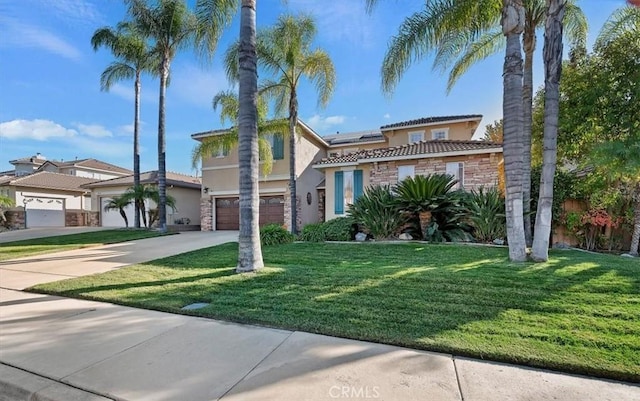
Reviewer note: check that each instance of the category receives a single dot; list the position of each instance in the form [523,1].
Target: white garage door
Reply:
[45,212]
[112,218]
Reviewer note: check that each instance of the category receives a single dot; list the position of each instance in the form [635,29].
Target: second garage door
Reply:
[228,212]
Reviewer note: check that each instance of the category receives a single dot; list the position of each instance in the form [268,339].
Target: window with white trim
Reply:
[440,133]
[222,152]
[416,136]
[456,169]
[406,171]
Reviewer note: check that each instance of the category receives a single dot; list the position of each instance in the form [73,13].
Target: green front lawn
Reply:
[36,246]
[578,313]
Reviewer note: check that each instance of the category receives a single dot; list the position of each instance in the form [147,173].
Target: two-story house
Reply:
[50,193]
[220,182]
[333,170]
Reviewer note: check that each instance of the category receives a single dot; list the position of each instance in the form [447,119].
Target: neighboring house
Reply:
[26,165]
[90,168]
[332,171]
[50,190]
[49,199]
[220,206]
[185,189]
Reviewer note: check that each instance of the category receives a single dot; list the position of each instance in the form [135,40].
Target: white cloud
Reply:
[81,11]
[319,123]
[40,130]
[127,129]
[18,34]
[93,130]
[90,139]
[343,21]
[387,116]
[195,85]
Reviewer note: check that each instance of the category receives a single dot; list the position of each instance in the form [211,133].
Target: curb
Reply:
[20,385]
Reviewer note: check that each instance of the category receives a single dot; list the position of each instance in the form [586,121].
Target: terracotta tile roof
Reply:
[150,177]
[47,180]
[418,149]
[431,120]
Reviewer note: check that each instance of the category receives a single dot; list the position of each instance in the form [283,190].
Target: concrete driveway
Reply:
[18,274]
[40,232]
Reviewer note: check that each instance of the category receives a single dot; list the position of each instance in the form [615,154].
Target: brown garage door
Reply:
[227,212]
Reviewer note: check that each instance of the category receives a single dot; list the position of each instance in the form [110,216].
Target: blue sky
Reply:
[50,98]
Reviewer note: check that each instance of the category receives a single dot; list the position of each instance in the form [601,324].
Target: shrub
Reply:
[314,232]
[340,229]
[438,210]
[274,234]
[487,217]
[377,211]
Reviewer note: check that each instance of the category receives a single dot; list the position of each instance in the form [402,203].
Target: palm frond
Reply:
[212,17]
[576,26]
[210,146]
[229,105]
[622,20]
[487,45]
[115,72]
[231,62]
[320,71]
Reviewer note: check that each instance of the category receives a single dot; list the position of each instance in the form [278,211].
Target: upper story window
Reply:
[416,136]
[440,133]
[277,146]
[222,152]
[406,171]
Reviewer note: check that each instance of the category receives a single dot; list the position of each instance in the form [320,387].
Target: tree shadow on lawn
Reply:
[576,313]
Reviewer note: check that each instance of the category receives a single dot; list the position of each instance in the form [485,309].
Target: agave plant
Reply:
[377,211]
[486,214]
[424,196]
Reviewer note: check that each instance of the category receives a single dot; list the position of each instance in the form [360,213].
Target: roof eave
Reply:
[432,155]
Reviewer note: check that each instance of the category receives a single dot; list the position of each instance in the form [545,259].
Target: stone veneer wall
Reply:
[287,211]
[206,214]
[75,218]
[321,201]
[478,170]
[94,219]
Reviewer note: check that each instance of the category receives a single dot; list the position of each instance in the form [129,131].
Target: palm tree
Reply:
[5,203]
[228,103]
[284,51]
[172,26]
[553,68]
[249,247]
[138,194]
[119,203]
[462,33]
[513,126]
[133,58]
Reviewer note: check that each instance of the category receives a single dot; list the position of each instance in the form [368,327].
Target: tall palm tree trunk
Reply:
[553,68]
[162,167]
[293,121]
[512,27]
[136,149]
[529,45]
[249,250]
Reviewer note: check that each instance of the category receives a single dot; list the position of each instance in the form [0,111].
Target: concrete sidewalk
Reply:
[25,272]
[67,349]
[54,348]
